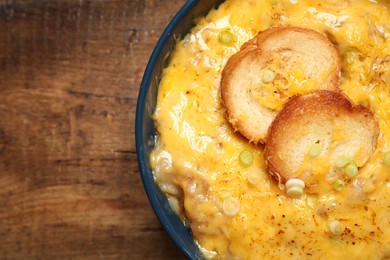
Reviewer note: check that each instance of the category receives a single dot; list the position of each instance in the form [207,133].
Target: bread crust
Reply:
[304,111]
[258,54]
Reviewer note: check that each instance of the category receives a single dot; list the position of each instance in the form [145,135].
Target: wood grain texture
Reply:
[70,72]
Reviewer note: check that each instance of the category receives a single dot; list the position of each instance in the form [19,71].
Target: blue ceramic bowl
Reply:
[145,128]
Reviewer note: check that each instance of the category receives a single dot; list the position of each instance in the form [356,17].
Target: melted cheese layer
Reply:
[196,163]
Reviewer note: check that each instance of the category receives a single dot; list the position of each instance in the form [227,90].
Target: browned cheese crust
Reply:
[325,117]
[284,48]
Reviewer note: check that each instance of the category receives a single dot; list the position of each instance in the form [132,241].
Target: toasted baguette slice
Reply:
[277,64]
[321,117]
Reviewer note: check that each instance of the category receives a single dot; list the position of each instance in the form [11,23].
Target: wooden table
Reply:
[70,71]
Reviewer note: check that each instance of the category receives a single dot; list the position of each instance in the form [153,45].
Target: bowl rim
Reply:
[139,120]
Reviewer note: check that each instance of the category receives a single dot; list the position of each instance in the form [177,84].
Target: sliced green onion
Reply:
[386,158]
[295,182]
[350,56]
[246,158]
[311,201]
[226,38]
[295,192]
[342,161]
[231,206]
[335,227]
[295,188]
[315,150]
[254,176]
[268,76]
[338,185]
[337,241]
[351,170]
[348,166]
[225,194]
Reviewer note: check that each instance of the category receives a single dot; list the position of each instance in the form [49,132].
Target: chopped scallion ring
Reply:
[246,158]
[338,185]
[295,188]
[350,56]
[335,227]
[226,38]
[386,158]
[348,166]
[342,161]
[337,241]
[231,206]
[254,176]
[351,170]
[295,192]
[311,201]
[268,76]
[315,150]
[226,194]
[295,182]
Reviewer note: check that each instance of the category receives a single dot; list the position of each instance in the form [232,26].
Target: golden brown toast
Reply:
[278,63]
[325,119]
